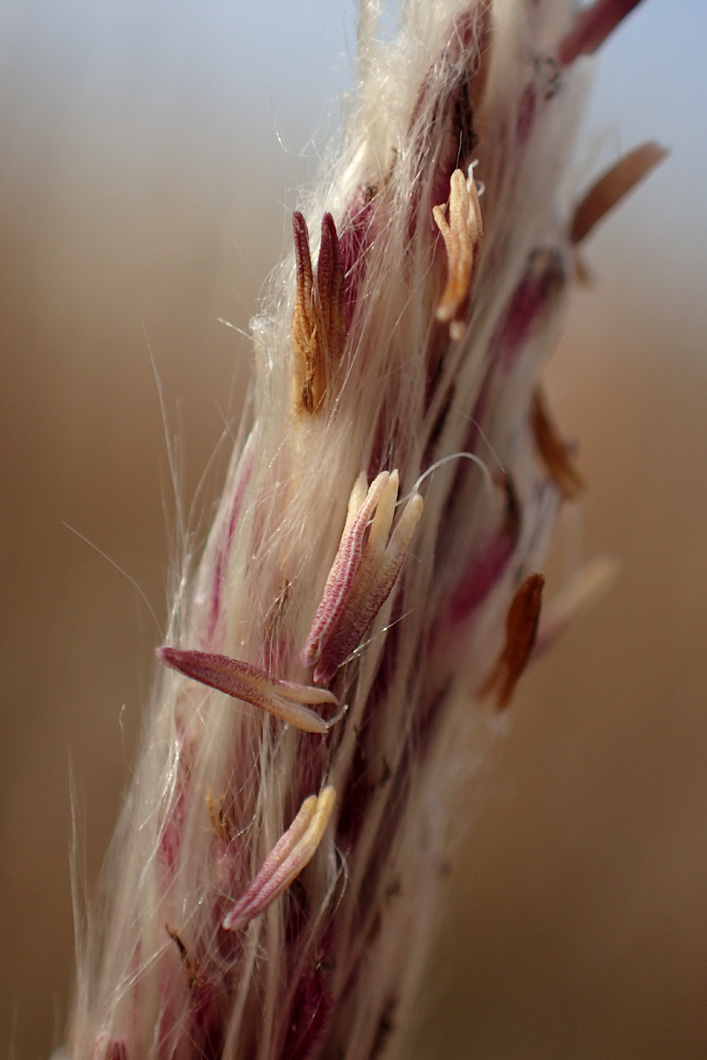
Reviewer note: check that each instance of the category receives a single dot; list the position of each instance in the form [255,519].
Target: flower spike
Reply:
[290,855]
[409,334]
[285,699]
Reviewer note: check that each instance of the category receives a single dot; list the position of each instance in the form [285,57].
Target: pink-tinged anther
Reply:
[362,575]
[287,700]
[364,605]
[290,855]
[362,506]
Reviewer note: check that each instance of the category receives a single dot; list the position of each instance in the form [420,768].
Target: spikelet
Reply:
[365,585]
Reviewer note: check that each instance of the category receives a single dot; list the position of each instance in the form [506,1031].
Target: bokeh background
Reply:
[149,152]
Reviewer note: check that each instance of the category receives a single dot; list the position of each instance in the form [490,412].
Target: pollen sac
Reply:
[319,321]
[364,571]
[521,631]
[290,855]
[286,700]
[463,233]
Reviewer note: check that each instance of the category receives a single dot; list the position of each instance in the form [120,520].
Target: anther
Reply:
[462,230]
[363,573]
[521,631]
[287,700]
[290,855]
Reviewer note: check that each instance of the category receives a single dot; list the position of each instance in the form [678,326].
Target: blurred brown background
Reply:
[148,150]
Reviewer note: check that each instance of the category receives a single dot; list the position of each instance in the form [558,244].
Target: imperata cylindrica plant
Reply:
[371,590]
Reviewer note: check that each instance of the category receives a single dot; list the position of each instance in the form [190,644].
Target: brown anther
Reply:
[308,366]
[318,323]
[613,186]
[553,451]
[462,231]
[590,28]
[329,292]
[521,631]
